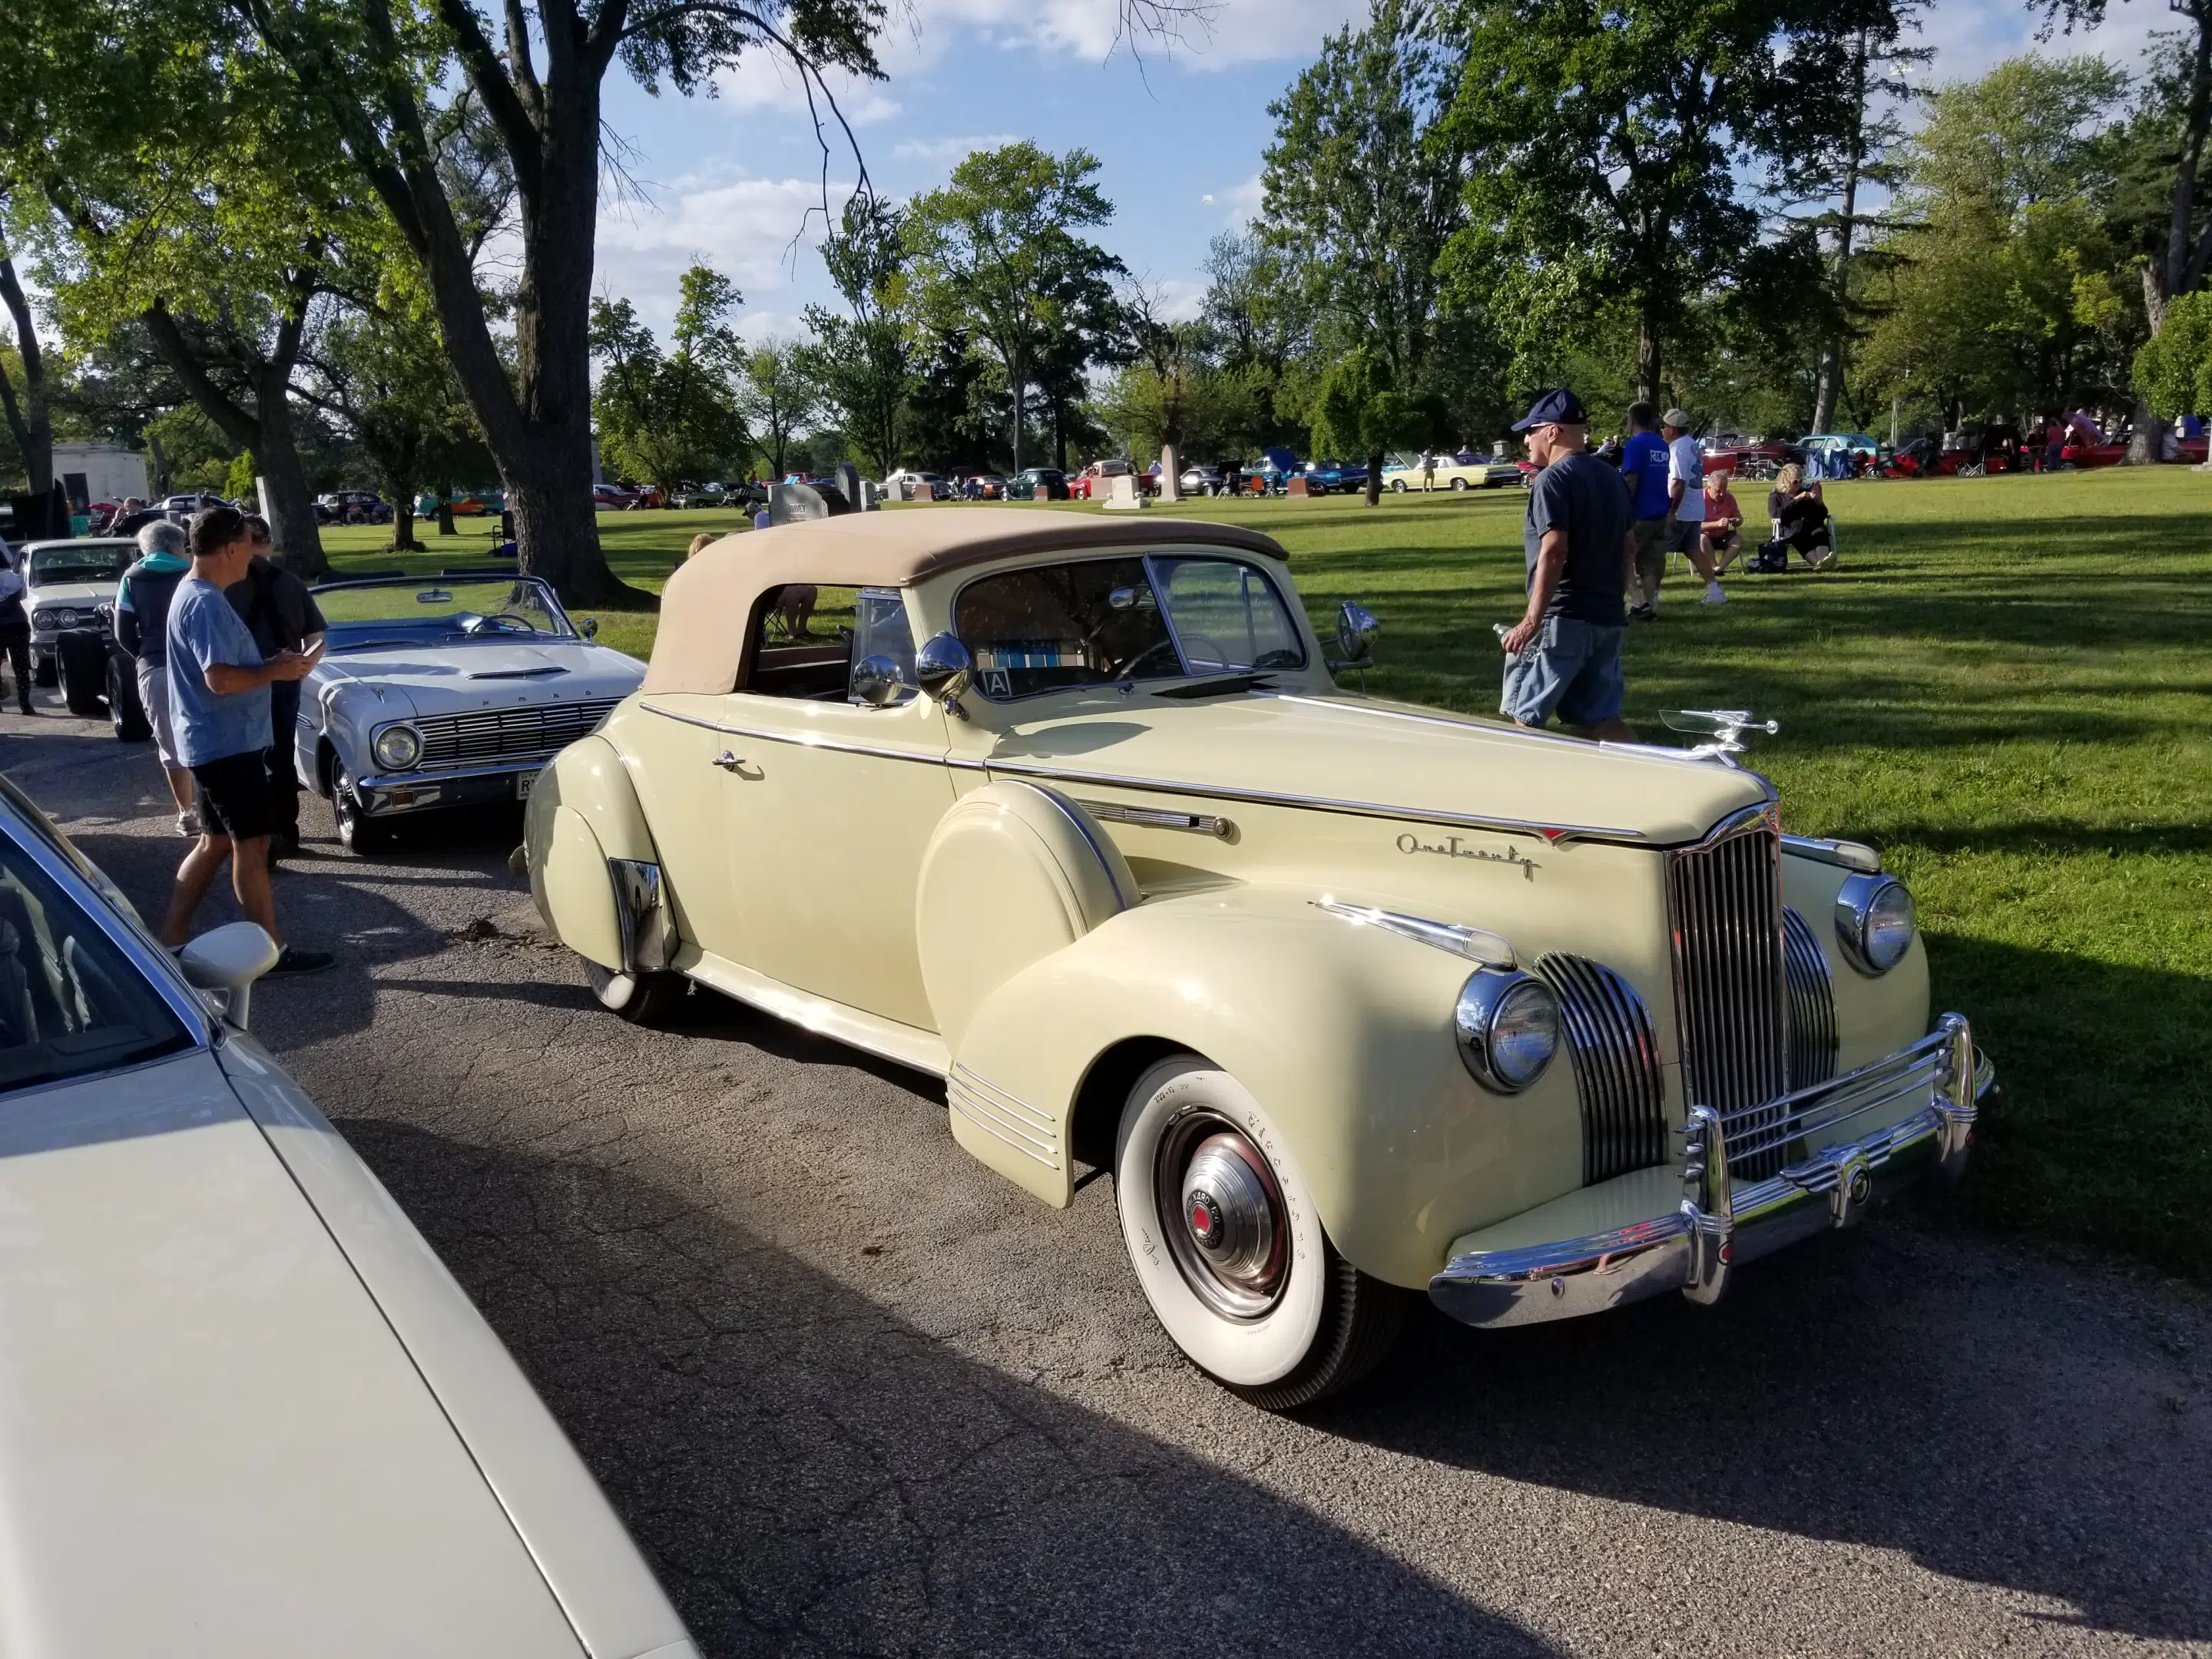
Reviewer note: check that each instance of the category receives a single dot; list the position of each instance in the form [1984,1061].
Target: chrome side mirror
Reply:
[229,959]
[1355,632]
[589,627]
[943,669]
[876,681]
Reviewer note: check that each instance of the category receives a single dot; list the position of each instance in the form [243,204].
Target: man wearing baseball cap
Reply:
[1564,656]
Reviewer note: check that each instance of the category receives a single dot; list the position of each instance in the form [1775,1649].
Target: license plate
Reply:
[522,785]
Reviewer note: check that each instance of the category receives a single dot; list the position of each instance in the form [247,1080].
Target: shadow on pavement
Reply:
[2002,1424]
[809,1473]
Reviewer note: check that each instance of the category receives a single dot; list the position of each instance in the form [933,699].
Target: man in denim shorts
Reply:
[1564,656]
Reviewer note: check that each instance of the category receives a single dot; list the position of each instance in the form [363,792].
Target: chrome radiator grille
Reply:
[1619,1075]
[1725,904]
[492,734]
[1812,1004]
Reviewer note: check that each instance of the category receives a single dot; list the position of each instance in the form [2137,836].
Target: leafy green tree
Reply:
[2173,369]
[1360,198]
[1605,142]
[669,416]
[779,397]
[2180,252]
[1361,411]
[382,373]
[2012,295]
[862,363]
[1839,131]
[994,254]
[188,200]
[23,398]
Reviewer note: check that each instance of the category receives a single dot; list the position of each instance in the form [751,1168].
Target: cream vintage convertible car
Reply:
[1354,998]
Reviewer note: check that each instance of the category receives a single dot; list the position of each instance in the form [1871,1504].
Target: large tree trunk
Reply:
[1375,463]
[541,496]
[29,422]
[1647,363]
[1830,385]
[293,526]
[402,526]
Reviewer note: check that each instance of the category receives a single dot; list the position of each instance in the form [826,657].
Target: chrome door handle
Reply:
[728,762]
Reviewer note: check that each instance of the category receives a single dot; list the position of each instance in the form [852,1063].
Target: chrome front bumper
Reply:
[1724,1219]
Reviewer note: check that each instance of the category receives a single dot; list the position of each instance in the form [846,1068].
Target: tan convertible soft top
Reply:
[710,599]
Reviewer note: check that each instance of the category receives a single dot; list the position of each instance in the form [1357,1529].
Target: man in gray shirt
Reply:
[1563,655]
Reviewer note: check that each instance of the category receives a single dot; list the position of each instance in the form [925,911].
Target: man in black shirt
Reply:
[1564,656]
[281,616]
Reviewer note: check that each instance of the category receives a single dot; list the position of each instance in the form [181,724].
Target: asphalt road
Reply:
[854,1394]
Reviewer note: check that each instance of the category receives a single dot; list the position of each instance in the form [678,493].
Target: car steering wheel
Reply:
[496,623]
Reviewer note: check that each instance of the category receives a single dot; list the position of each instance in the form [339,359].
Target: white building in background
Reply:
[99,473]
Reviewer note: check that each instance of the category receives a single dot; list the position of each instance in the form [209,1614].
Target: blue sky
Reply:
[728,178]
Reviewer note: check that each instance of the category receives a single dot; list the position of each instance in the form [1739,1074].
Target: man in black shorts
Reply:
[219,701]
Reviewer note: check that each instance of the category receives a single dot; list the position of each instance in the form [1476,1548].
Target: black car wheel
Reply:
[358,833]
[124,711]
[83,659]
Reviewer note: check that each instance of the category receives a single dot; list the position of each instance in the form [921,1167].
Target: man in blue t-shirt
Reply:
[1564,656]
[1644,467]
[219,703]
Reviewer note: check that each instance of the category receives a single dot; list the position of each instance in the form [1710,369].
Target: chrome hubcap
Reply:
[1223,1213]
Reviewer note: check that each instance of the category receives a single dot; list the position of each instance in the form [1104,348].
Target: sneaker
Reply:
[1713,595]
[188,824]
[1821,557]
[296,961]
[1642,613]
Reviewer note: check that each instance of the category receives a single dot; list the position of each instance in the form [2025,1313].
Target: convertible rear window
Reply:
[1102,622]
[70,1002]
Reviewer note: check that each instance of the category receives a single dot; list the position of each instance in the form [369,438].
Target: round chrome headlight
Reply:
[1507,1025]
[398,747]
[1874,922]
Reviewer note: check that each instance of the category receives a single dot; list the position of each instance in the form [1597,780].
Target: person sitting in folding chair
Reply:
[1800,517]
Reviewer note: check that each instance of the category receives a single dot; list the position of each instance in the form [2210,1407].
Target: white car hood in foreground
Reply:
[210,1441]
[487,674]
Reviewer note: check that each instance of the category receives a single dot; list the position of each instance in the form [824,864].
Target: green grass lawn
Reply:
[2005,686]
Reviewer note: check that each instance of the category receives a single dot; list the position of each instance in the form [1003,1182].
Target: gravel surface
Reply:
[854,1394]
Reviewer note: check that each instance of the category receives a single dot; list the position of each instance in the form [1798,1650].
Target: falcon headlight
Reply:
[398,747]
[1507,1025]
[1874,922]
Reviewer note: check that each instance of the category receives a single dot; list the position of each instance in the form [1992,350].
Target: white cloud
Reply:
[1972,38]
[941,152]
[1243,201]
[1238,32]
[1181,299]
[765,81]
[743,228]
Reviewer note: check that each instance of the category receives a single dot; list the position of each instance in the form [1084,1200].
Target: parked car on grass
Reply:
[985,487]
[1092,482]
[239,1381]
[1203,481]
[1355,1000]
[446,691]
[1476,472]
[1038,484]
[905,481]
[190,504]
[612,498]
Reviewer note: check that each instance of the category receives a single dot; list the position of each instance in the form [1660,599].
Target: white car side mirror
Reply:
[229,959]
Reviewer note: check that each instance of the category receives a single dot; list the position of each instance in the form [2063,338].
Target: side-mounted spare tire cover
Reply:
[1014,873]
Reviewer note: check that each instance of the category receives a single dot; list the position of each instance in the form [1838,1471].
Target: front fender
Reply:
[1343,1032]
[346,711]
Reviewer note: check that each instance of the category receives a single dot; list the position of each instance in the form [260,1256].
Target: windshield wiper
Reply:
[1219,685]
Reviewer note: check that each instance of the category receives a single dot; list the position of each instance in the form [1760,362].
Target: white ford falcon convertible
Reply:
[446,691]
[1355,999]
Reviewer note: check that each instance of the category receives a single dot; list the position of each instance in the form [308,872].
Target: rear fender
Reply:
[1343,1032]
[594,872]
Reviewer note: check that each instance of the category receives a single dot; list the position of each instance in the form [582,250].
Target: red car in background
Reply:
[1762,459]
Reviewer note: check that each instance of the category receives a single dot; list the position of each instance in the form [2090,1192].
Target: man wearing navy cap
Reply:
[1564,656]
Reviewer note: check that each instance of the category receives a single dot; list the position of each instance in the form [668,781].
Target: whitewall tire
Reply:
[1222,1232]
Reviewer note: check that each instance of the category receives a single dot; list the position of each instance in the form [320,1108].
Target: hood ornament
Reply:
[1725,726]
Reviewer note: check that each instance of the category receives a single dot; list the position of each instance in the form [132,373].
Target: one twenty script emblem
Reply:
[1452,847]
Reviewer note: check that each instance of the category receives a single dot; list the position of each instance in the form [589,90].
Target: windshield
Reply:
[1101,622]
[95,562]
[440,611]
[70,1002]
